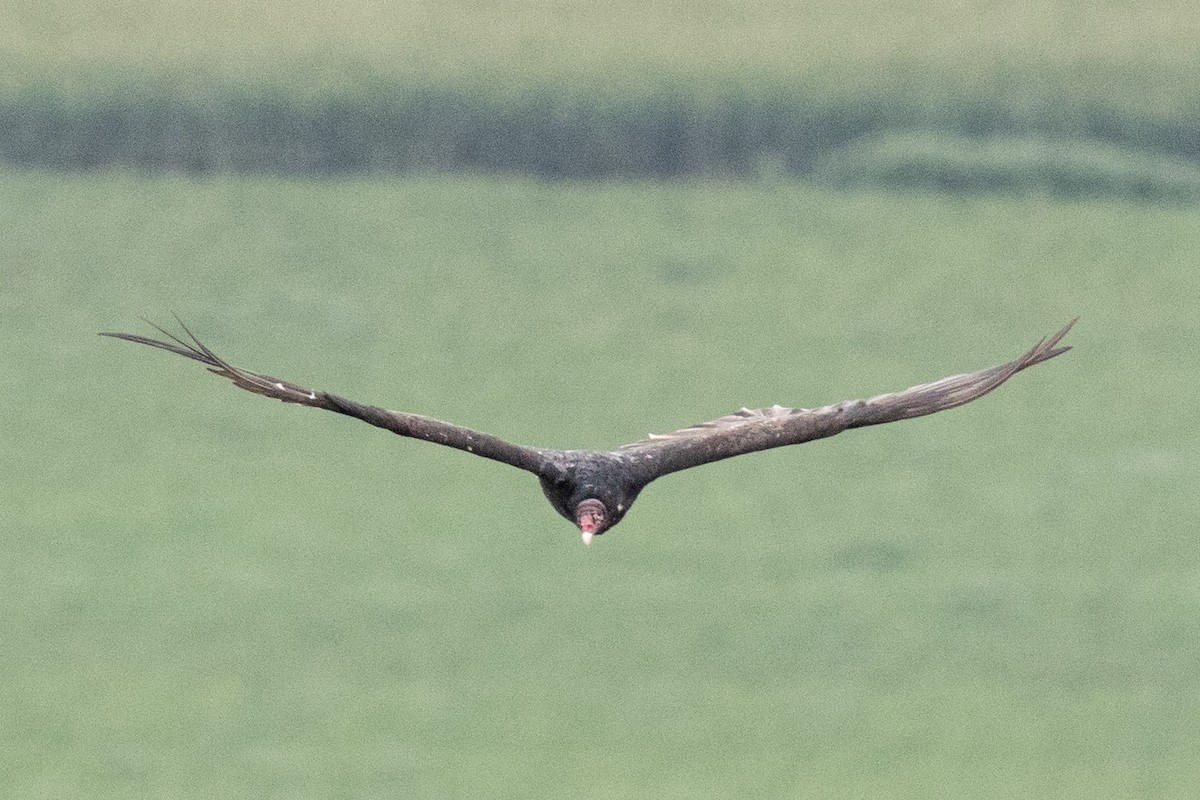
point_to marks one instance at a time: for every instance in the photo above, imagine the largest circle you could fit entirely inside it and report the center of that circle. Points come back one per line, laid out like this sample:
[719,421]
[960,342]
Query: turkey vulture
[595,488]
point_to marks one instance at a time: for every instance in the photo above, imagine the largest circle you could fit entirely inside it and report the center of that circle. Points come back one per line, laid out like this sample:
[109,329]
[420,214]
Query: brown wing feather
[402,423]
[749,430]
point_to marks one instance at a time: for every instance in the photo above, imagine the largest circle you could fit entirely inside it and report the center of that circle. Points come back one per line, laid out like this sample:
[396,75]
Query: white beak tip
[588,536]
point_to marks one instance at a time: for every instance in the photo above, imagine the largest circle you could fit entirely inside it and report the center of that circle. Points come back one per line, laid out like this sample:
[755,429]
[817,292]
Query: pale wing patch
[743,417]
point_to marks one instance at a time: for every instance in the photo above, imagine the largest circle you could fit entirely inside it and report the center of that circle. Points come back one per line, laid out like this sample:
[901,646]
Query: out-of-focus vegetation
[204,594]
[519,42]
[1011,165]
[654,90]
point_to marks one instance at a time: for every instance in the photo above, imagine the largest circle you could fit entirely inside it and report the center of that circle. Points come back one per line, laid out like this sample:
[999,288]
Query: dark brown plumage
[593,488]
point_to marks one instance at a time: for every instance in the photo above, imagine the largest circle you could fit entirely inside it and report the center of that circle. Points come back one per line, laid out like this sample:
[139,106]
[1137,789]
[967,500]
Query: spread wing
[402,423]
[749,430]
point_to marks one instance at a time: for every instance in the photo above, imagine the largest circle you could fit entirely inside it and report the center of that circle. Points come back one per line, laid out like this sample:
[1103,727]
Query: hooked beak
[589,516]
[588,526]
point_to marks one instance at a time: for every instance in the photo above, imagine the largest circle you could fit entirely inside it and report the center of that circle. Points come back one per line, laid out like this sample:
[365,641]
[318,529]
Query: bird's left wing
[750,430]
[400,422]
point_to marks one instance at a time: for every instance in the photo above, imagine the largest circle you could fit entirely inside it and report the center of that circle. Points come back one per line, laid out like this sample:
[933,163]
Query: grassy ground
[204,594]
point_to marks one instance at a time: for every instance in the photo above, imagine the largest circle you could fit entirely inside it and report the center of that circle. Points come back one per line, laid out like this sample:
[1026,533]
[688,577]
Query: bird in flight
[595,488]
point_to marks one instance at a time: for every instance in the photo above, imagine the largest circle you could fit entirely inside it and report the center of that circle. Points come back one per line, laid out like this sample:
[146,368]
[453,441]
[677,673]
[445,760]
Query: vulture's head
[593,515]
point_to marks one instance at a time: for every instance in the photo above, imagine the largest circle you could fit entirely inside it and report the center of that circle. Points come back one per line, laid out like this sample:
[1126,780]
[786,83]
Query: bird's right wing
[405,424]
[750,430]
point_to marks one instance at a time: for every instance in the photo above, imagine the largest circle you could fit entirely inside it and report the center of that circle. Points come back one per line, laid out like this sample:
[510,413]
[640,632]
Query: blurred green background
[203,594]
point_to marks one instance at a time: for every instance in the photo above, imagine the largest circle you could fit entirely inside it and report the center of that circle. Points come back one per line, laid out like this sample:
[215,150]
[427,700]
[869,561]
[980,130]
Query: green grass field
[205,594]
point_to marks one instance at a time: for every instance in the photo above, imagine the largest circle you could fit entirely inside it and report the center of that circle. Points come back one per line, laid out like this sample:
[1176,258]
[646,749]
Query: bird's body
[595,489]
